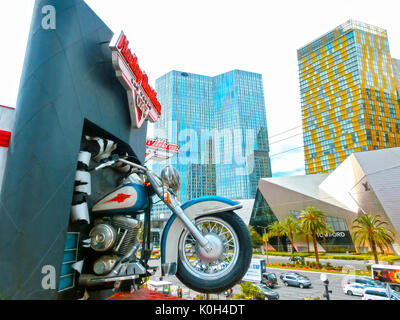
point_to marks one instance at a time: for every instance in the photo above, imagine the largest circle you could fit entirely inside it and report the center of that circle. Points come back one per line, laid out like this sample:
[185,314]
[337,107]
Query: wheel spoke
[229,253]
[226,243]
[213,228]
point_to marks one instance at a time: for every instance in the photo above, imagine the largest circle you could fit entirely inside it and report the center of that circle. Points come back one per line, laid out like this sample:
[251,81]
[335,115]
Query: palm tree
[276,229]
[302,231]
[312,221]
[256,239]
[371,229]
[291,227]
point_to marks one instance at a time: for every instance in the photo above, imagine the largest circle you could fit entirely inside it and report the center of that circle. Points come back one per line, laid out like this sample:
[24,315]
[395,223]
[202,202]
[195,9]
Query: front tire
[226,264]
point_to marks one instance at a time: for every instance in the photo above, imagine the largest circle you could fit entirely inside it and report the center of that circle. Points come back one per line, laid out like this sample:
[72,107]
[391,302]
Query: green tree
[302,231]
[249,292]
[312,221]
[291,227]
[276,229]
[371,229]
[256,239]
[324,230]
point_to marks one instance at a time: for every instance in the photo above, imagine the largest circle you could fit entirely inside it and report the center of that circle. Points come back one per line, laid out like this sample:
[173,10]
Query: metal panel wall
[67,77]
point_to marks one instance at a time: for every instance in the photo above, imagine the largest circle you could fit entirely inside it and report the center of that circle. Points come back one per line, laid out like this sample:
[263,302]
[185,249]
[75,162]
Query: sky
[212,37]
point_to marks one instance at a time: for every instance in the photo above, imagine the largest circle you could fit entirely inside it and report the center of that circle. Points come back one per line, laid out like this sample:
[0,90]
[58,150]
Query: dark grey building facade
[67,89]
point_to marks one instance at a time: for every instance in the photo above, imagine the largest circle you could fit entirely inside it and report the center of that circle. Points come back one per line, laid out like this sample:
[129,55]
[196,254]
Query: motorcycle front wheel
[225,265]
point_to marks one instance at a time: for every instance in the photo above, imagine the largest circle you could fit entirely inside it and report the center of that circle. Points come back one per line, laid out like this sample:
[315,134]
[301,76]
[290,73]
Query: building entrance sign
[142,98]
[160,149]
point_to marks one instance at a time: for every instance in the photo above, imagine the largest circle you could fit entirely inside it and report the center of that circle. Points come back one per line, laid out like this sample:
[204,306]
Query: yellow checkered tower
[348,95]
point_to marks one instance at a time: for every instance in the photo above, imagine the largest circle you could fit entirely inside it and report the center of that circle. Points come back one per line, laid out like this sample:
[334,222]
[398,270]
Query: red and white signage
[160,149]
[5,138]
[6,123]
[142,98]
[6,120]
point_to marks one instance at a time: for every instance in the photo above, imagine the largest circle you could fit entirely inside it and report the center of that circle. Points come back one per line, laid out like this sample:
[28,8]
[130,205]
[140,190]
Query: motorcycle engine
[119,234]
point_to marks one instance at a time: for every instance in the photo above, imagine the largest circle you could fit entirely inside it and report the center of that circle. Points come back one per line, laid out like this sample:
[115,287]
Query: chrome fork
[174,205]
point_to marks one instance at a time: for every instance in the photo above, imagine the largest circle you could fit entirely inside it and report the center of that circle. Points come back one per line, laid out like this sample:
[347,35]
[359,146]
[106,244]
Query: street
[316,290]
[286,293]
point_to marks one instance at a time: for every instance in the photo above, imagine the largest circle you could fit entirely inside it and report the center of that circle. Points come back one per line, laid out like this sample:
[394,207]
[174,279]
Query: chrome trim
[219,210]
[174,206]
[89,279]
[137,166]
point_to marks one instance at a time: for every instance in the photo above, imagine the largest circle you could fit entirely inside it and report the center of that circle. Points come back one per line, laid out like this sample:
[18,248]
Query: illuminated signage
[142,98]
[337,234]
[160,149]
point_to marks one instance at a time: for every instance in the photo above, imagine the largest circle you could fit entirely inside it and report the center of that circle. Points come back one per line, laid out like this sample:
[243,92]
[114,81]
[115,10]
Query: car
[354,289]
[269,279]
[295,259]
[375,293]
[268,292]
[292,273]
[366,281]
[296,280]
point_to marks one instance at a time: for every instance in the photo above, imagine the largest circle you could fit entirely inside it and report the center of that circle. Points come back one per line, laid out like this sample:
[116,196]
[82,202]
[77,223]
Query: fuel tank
[128,198]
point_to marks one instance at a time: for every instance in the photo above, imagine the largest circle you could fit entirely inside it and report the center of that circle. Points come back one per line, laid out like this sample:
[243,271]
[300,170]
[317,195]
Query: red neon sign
[162,144]
[142,97]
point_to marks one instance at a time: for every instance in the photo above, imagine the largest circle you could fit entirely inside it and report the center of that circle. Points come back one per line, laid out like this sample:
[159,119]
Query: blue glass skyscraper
[220,125]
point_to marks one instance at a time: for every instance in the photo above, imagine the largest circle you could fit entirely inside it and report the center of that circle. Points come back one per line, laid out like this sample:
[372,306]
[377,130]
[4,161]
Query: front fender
[174,227]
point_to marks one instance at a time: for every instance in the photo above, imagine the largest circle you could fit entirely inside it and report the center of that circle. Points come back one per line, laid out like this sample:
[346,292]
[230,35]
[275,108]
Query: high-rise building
[220,125]
[348,95]
[396,70]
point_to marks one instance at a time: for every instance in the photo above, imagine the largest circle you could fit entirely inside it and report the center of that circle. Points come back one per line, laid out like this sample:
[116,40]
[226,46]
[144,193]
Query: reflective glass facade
[340,240]
[348,95]
[220,125]
[396,70]
[262,216]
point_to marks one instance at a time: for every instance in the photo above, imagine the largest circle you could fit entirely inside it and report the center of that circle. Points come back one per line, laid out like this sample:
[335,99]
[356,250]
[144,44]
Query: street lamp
[325,281]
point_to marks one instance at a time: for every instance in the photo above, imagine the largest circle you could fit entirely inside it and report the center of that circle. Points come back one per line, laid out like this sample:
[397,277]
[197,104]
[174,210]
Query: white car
[374,293]
[355,289]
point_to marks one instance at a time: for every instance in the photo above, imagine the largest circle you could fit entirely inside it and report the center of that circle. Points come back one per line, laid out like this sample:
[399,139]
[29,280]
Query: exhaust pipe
[92,280]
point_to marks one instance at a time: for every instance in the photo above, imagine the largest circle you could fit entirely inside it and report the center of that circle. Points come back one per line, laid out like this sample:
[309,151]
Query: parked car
[375,293]
[366,281]
[268,292]
[354,288]
[296,280]
[269,279]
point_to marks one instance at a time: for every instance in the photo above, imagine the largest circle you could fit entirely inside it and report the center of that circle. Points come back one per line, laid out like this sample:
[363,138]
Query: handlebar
[152,177]
[115,160]
[105,164]
[137,166]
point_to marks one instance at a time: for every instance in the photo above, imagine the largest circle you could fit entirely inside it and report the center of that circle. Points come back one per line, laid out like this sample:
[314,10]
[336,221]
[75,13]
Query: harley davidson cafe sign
[160,149]
[142,98]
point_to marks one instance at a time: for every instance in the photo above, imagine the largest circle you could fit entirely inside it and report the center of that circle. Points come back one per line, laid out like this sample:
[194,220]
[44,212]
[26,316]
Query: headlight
[170,176]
